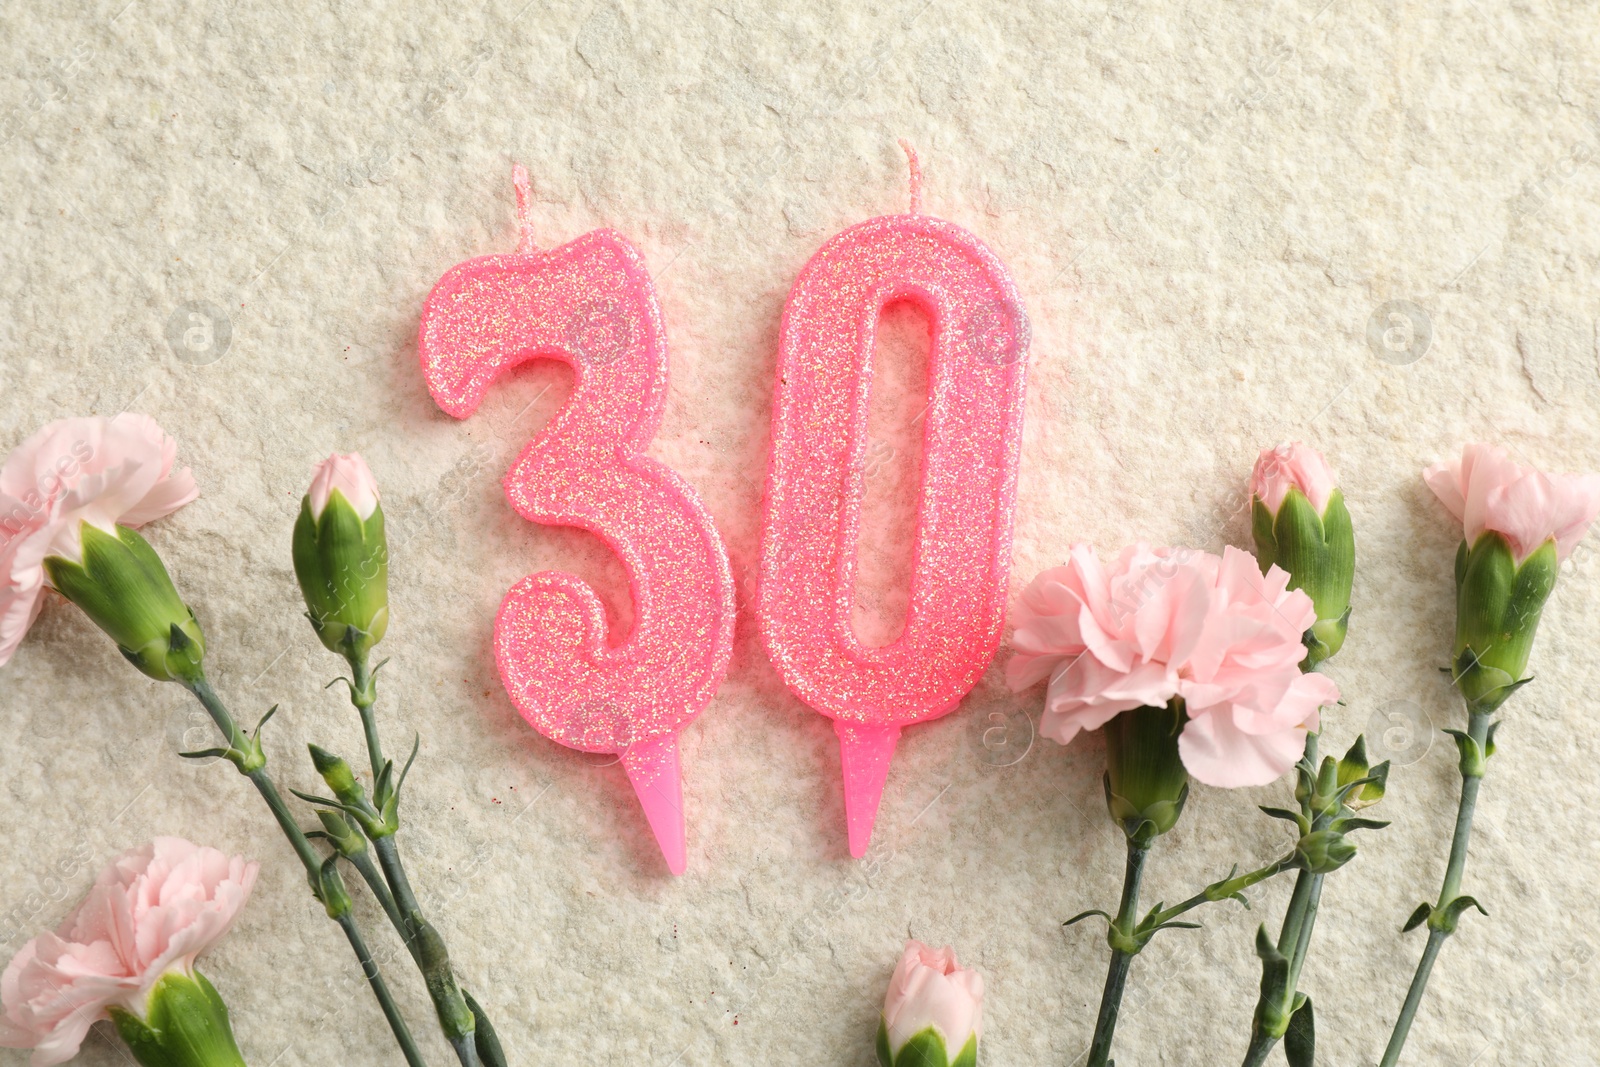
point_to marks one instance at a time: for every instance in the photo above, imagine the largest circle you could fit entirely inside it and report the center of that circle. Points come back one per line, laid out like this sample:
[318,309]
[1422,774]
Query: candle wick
[519,180]
[916,176]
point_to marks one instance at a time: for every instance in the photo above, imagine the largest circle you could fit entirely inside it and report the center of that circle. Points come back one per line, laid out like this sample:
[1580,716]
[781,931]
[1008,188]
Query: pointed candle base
[865,752]
[657,778]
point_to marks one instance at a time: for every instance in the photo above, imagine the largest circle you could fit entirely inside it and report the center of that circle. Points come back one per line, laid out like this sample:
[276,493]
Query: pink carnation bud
[1487,491]
[930,989]
[150,913]
[349,475]
[1291,466]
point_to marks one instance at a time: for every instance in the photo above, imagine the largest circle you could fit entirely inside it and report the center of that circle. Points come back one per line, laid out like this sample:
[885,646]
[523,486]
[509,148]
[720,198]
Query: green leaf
[1445,918]
[1418,917]
[1300,821]
[483,1035]
[1271,1005]
[1082,915]
[1300,1040]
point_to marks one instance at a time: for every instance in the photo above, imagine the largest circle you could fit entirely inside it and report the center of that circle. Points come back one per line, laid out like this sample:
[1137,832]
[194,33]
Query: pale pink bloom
[1164,623]
[930,988]
[1487,491]
[349,475]
[151,912]
[95,470]
[1291,466]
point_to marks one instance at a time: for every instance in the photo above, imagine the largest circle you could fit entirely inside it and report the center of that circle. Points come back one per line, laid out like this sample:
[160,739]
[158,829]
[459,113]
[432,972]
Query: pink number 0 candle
[962,548]
[591,303]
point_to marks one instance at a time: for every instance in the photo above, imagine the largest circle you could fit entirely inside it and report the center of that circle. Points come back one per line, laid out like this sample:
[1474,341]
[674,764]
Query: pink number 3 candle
[962,548]
[591,303]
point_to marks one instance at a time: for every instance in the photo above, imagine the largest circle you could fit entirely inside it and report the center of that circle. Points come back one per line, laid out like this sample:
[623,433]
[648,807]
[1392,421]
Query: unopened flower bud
[346,839]
[121,584]
[1518,524]
[1300,523]
[933,1013]
[1354,767]
[1324,851]
[341,556]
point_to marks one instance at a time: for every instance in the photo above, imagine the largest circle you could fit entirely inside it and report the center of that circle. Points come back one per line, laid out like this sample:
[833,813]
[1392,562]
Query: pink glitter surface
[971,438]
[591,304]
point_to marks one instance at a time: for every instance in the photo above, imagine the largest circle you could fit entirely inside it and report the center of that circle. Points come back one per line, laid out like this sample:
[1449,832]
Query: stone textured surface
[1208,211]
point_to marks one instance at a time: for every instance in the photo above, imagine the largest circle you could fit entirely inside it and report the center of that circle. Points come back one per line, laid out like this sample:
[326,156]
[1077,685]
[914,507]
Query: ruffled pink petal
[1217,753]
[149,912]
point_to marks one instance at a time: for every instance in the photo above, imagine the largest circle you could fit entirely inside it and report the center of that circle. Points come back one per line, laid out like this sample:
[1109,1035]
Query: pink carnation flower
[930,988]
[1292,466]
[1487,491]
[1164,623]
[100,471]
[151,912]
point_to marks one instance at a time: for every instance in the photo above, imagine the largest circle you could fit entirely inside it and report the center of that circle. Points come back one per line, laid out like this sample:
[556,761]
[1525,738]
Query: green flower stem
[364,694]
[1294,938]
[1308,923]
[1478,730]
[363,864]
[369,970]
[1105,1024]
[421,938]
[201,688]
[1223,890]
[432,958]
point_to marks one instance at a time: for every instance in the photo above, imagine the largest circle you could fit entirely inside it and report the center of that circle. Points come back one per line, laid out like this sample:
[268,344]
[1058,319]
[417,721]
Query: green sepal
[1498,604]
[885,1058]
[484,1038]
[1262,533]
[925,1049]
[125,590]
[1445,919]
[1146,785]
[968,1056]
[1300,1039]
[342,565]
[1318,552]
[185,1025]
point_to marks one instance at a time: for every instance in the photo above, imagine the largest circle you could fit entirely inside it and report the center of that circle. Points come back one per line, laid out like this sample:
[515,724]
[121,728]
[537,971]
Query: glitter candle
[971,436]
[591,304]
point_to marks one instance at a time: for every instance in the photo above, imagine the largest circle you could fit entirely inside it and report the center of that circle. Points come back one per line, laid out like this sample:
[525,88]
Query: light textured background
[1204,207]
